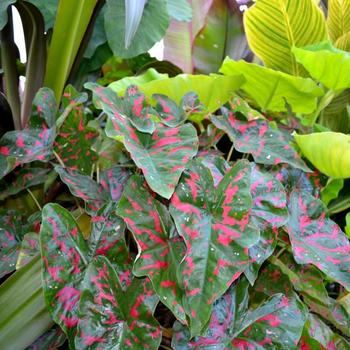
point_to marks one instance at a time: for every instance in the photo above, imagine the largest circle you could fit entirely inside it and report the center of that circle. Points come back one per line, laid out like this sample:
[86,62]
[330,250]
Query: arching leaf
[338,23]
[273,27]
[318,240]
[152,27]
[217,229]
[160,252]
[114,318]
[328,151]
[257,137]
[273,90]
[326,64]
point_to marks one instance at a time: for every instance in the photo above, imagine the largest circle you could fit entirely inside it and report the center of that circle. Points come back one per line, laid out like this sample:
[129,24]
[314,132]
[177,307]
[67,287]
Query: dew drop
[268,156]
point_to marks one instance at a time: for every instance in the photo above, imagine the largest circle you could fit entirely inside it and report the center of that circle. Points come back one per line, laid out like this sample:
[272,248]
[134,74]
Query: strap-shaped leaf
[112,318]
[338,23]
[328,151]
[326,64]
[318,240]
[217,229]
[233,326]
[273,27]
[266,144]
[272,90]
[160,252]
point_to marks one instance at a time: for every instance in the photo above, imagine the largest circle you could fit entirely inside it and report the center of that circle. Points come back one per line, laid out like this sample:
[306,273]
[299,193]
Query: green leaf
[113,318]
[331,190]
[347,227]
[273,27]
[338,23]
[217,229]
[48,8]
[213,90]
[234,326]
[23,316]
[3,11]
[160,253]
[179,10]
[316,239]
[61,57]
[329,152]
[151,74]
[273,90]
[266,144]
[133,14]
[326,64]
[151,28]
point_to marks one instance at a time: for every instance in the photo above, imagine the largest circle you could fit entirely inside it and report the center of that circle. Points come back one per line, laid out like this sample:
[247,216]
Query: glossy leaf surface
[272,90]
[217,230]
[257,137]
[328,151]
[160,252]
[318,240]
[113,318]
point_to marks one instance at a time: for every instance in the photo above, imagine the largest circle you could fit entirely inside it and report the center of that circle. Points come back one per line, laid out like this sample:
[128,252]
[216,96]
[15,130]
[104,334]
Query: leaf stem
[58,159]
[34,199]
[325,101]
[230,153]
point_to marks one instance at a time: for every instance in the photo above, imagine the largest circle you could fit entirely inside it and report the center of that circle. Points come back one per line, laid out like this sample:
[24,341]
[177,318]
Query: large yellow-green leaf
[326,64]
[329,152]
[213,90]
[273,27]
[338,22]
[271,90]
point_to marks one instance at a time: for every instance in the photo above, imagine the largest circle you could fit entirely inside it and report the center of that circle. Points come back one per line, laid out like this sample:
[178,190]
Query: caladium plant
[206,235]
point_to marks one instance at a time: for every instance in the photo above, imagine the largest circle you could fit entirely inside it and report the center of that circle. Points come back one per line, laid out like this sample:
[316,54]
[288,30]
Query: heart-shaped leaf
[316,239]
[216,226]
[160,252]
[233,326]
[114,318]
[257,137]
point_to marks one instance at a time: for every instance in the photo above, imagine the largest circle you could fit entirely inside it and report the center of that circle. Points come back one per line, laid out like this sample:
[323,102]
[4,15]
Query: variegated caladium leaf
[160,252]
[74,141]
[64,260]
[238,105]
[316,239]
[10,238]
[137,111]
[22,179]
[234,326]
[267,145]
[28,250]
[95,194]
[162,156]
[217,228]
[115,319]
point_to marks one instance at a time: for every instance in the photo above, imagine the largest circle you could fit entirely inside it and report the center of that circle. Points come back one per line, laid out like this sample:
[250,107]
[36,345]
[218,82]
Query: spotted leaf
[64,259]
[162,156]
[217,229]
[160,252]
[28,250]
[233,326]
[266,144]
[22,179]
[10,238]
[316,239]
[112,318]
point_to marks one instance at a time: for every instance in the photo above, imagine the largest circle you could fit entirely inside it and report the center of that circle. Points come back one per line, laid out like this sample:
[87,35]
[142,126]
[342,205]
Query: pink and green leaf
[267,145]
[218,232]
[160,252]
[316,239]
[114,318]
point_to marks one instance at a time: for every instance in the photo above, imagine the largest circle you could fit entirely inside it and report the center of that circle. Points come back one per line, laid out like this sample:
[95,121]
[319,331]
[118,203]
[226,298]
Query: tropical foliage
[196,203]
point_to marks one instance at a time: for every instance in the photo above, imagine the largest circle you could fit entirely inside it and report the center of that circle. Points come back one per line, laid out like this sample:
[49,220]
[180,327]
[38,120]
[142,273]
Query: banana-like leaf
[179,10]
[326,64]
[338,22]
[128,40]
[23,316]
[328,151]
[273,90]
[121,85]
[273,27]
[217,228]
